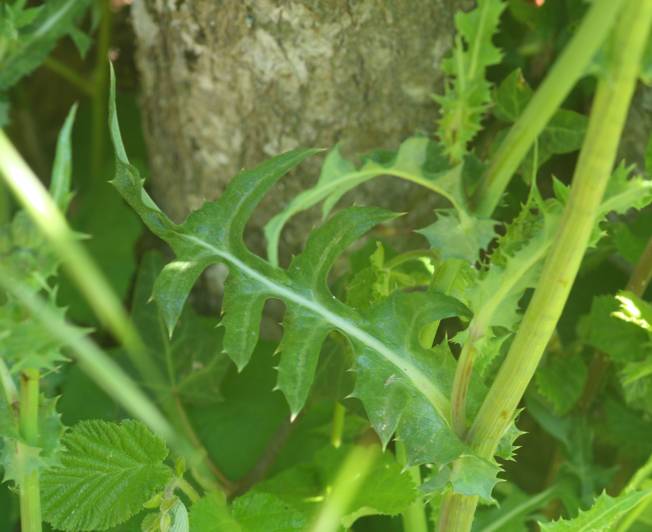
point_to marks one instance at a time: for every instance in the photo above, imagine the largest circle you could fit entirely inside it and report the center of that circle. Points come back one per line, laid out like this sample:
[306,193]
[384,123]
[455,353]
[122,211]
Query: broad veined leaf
[108,470]
[32,39]
[604,513]
[388,360]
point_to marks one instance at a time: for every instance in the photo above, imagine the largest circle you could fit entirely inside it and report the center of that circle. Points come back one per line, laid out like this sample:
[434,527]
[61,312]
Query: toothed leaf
[385,338]
[107,471]
[604,513]
[211,514]
[194,352]
[456,238]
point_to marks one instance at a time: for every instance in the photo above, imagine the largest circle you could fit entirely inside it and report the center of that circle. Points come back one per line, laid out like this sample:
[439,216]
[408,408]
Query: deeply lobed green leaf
[403,386]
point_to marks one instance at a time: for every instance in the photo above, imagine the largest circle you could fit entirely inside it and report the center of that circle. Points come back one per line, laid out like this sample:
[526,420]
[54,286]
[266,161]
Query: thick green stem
[414,518]
[594,167]
[566,71]
[30,495]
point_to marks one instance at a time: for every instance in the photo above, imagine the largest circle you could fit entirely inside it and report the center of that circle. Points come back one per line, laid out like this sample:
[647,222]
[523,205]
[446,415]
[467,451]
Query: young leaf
[467,95]
[457,236]
[601,516]
[107,471]
[473,476]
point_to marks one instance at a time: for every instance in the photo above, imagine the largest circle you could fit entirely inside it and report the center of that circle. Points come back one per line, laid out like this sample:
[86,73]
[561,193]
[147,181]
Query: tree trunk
[227,84]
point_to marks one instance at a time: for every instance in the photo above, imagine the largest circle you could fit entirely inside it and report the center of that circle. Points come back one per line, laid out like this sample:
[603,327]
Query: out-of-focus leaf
[211,514]
[29,35]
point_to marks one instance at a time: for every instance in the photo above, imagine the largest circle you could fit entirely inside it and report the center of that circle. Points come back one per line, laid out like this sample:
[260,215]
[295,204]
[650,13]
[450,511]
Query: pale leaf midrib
[420,381]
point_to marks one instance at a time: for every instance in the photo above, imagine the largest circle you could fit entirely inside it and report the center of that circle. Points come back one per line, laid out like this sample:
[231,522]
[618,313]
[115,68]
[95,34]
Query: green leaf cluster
[467,95]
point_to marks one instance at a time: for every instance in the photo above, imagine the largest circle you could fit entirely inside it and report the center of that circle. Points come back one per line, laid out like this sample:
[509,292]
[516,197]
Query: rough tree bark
[228,83]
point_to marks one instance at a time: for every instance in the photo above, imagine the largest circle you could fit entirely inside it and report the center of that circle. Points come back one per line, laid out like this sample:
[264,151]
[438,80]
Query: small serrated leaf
[107,471]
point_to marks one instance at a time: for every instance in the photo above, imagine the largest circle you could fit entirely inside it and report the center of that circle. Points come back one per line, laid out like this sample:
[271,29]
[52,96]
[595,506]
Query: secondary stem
[566,71]
[642,274]
[337,427]
[414,518]
[349,479]
[30,495]
[100,77]
[594,167]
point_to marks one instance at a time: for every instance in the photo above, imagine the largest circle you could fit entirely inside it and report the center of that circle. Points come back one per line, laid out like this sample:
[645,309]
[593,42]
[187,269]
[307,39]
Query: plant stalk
[30,494]
[337,427]
[414,517]
[99,90]
[642,274]
[592,173]
[567,70]
[346,485]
